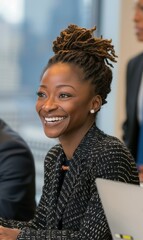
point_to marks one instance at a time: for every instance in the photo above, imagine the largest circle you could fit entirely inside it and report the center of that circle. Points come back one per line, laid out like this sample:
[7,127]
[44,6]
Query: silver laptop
[123,206]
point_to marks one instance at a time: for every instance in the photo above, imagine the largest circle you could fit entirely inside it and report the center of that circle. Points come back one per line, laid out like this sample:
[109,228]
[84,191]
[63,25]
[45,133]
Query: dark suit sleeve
[17,176]
[125,124]
[131,125]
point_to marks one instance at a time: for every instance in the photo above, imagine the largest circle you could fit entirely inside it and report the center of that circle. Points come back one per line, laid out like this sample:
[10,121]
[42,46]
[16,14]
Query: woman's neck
[69,148]
[71,141]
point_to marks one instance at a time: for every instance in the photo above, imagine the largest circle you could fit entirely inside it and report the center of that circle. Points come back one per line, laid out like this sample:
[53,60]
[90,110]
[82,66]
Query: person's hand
[140,169]
[8,233]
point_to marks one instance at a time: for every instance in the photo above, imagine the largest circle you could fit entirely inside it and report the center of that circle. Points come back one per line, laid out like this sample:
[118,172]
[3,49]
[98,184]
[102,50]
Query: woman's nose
[138,14]
[49,105]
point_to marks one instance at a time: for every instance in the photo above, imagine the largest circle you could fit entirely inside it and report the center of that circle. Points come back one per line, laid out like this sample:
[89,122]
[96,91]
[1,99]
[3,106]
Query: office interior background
[27,29]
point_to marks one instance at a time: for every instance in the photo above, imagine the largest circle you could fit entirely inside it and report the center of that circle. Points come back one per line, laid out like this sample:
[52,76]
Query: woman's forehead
[64,69]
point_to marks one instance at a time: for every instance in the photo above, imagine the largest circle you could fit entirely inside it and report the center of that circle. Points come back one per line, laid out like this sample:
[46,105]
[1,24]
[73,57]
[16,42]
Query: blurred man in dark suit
[17,176]
[133,125]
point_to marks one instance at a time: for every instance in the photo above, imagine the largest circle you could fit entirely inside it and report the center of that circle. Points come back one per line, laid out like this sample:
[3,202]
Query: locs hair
[78,46]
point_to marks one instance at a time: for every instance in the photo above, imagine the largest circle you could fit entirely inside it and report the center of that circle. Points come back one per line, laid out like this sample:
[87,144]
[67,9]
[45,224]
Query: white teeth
[54,119]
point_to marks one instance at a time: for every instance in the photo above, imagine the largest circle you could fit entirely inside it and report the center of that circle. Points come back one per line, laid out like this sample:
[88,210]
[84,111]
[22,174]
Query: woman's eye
[139,7]
[41,94]
[65,95]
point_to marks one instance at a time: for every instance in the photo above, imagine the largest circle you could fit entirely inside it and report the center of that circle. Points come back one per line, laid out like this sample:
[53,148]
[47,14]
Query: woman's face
[64,101]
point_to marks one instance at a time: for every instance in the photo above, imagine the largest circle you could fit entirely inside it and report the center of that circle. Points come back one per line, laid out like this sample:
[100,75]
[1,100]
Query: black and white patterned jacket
[78,206]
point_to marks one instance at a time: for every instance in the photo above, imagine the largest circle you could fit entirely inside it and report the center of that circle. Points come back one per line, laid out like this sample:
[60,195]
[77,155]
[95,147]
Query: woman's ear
[96,103]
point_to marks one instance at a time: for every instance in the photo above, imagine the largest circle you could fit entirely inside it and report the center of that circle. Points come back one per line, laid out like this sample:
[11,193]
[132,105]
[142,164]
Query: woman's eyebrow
[64,85]
[58,86]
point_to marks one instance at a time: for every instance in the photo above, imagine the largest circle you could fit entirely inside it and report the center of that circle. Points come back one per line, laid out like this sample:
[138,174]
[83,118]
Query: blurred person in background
[133,124]
[17,176]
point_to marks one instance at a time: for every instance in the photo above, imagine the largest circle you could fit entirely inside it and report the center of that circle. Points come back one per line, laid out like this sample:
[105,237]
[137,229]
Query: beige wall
[129,46]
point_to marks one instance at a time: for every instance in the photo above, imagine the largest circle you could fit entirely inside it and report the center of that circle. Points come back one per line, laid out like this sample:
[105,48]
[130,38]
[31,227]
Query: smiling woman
[73,87]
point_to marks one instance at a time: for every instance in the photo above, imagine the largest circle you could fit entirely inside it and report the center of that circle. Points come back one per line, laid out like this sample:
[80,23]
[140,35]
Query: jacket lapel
[68,186]
[77,164]
[54,182]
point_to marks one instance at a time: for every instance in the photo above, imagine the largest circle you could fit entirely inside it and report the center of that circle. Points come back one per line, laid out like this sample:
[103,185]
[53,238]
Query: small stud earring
[92,111]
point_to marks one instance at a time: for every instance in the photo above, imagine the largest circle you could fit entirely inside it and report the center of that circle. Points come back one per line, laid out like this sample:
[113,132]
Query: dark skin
[64,104]
[8,233]
[65,96]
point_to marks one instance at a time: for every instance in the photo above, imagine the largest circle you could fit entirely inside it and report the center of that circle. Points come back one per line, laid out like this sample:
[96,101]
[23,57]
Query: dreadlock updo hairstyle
[78,46]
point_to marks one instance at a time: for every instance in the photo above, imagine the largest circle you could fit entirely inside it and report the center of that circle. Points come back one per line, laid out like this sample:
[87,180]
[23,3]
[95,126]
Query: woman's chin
[51,135]
[51,132]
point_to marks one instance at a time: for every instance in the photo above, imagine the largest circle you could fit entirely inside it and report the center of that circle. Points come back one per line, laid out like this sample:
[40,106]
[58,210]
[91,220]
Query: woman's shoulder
[105,138]
[110,145]
[111,157]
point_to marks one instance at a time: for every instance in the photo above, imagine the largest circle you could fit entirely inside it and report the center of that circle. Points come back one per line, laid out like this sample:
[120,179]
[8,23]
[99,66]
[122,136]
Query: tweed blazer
[78,206]
[131,125]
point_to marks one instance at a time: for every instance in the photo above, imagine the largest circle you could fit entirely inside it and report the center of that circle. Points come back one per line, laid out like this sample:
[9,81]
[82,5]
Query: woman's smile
[52,121]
